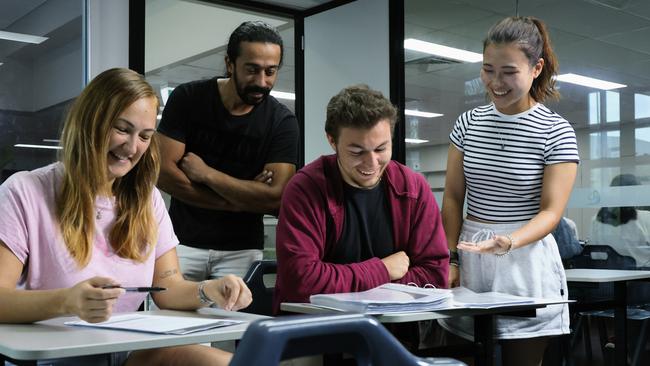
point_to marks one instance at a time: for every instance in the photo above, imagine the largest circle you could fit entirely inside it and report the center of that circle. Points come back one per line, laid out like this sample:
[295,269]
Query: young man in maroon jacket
[356,219]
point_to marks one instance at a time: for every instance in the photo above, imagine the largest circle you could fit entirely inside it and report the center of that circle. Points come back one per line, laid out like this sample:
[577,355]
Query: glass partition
[41,70]
[187,40]
[601,39]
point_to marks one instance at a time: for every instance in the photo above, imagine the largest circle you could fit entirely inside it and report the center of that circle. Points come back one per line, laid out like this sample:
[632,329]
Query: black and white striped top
[504,158]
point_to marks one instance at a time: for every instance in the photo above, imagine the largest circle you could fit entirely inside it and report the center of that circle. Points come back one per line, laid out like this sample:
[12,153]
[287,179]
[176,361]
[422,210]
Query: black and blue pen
[136,289]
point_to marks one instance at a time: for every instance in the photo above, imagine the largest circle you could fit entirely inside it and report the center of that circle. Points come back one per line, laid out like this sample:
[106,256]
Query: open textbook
[160,324]
[391,298]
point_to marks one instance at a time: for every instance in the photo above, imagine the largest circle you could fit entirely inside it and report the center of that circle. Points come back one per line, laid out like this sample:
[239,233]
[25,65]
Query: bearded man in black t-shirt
[228,148]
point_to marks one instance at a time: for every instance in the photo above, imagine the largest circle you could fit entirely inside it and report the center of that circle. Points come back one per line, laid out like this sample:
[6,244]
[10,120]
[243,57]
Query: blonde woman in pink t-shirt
[95,219]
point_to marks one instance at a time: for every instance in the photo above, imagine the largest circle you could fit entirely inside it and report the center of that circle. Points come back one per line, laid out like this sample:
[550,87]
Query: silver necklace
[99,214]
[503,144]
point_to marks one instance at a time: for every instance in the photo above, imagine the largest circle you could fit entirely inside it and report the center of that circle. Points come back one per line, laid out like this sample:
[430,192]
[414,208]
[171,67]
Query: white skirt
[535,270]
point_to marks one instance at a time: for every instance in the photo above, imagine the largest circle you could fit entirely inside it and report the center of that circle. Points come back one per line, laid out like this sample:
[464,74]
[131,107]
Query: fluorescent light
[443,51]
[415,141]
[283,95]
[589,82]
[21,37]
[51,147]
[412,112]
[1,63]
[56,141]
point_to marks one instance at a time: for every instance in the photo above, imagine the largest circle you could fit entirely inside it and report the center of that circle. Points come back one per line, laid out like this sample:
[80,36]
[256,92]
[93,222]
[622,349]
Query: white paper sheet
[158,323]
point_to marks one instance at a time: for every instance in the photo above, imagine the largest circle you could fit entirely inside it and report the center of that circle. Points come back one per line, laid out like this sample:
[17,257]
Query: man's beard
[245,93]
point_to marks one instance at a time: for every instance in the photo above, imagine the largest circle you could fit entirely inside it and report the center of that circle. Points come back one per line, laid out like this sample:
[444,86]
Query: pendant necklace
[496,126]
[99,214]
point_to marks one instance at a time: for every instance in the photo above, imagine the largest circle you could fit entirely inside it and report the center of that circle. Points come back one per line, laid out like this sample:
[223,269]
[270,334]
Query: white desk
[306,308]
[52,339]
[483,321]
[620,278]
[604,275]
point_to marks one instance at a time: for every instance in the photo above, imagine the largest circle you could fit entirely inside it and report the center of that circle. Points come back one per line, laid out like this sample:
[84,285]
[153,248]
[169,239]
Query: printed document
[160,324]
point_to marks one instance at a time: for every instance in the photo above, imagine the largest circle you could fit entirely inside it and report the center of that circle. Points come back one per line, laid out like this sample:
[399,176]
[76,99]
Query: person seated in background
[355,220]
[566,236]
[625,229]
[95,219]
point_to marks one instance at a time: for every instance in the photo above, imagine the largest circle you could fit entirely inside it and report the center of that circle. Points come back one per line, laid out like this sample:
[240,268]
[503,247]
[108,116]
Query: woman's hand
[498,244]
[454,276]
[229,292]
[89,301]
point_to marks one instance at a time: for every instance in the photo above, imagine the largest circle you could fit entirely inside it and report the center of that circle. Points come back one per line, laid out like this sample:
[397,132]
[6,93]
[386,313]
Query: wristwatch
[453,258]
[203,298]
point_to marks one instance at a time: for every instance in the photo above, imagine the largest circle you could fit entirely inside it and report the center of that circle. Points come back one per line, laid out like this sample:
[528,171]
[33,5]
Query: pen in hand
[136,289]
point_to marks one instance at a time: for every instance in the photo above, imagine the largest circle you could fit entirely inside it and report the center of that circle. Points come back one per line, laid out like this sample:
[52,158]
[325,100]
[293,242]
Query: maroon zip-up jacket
[311,222]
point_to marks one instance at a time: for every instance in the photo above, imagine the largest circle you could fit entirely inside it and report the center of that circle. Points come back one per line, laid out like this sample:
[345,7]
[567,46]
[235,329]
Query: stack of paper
[466,298]
[160,324]
[386,298]
[397,298]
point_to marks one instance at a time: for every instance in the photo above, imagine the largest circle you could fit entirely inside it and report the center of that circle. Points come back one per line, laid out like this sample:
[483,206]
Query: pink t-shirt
[29,228]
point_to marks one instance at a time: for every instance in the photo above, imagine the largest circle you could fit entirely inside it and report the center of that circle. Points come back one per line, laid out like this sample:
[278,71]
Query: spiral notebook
[159,324]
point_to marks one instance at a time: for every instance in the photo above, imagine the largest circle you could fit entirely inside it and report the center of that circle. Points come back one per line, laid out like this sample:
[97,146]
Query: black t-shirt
[367,227]
[239,146]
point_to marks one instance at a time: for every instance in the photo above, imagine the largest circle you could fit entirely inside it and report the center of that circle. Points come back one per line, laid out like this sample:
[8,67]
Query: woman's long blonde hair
[85,141]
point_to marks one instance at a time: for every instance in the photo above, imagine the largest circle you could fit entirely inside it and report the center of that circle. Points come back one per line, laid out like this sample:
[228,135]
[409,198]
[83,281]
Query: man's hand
[266,177]
[90,302]
[229,292]
[194,167]
[397,265]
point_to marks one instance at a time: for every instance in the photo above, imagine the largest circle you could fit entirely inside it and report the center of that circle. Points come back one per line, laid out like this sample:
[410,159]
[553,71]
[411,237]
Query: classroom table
[52,339]
[483,322]
[620,278]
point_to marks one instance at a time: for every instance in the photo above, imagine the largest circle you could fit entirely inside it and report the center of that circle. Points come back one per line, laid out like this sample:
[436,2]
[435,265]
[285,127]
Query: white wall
[108,35]
[177,29]
[343,46]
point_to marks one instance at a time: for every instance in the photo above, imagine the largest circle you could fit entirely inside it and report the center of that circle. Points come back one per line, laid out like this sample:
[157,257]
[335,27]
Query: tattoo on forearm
[168,273]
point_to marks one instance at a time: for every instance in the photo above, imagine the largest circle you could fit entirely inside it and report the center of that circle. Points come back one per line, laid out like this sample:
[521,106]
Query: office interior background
[342,43]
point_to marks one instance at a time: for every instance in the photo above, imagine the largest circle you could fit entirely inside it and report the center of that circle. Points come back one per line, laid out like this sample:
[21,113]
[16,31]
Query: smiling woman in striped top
[517,161]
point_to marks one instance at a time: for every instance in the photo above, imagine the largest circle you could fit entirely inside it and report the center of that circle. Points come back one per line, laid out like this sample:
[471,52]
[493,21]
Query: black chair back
[601,257]
[598,257]
[262,295]
[268,341]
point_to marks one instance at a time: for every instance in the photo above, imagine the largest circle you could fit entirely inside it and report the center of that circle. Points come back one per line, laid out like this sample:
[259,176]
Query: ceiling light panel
[21,37]
[589,82]
[416,113]
[442,51]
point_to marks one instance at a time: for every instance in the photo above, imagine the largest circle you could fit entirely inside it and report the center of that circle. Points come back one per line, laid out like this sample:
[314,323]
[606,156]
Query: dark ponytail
[531,36]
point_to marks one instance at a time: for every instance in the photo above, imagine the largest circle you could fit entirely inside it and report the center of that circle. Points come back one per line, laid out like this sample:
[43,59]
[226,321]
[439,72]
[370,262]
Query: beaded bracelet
[512,242]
